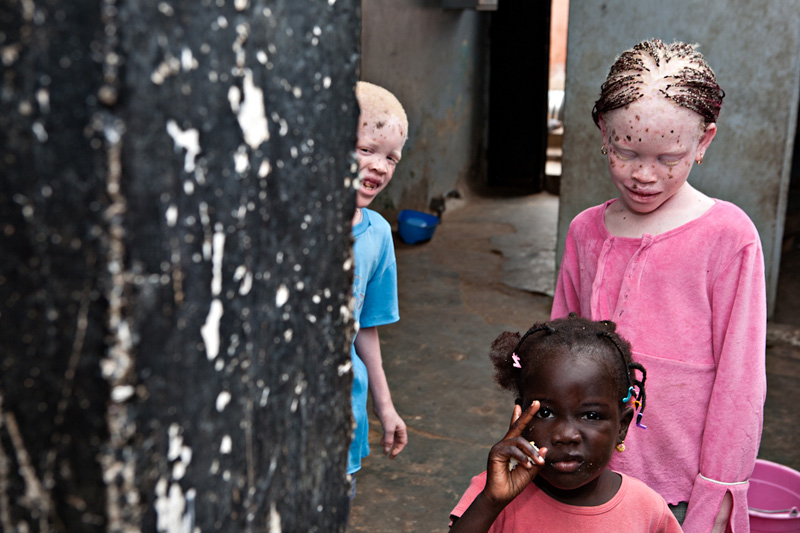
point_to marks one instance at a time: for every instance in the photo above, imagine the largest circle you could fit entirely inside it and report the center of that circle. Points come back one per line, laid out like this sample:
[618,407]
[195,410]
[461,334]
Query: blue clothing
[375,295]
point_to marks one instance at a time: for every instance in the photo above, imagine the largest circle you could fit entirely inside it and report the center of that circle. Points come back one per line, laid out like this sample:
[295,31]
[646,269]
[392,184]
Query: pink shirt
[692,302]
[635,507]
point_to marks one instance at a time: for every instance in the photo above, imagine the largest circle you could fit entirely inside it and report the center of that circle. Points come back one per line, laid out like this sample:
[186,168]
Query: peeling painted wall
[753,47]
[433,60]
[175,283]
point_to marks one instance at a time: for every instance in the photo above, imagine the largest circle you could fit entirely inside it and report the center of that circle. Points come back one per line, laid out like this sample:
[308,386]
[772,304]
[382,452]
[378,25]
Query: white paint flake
[172,215]
[10,54]
[120,393]
[281,296]
[188,140]
[210,330]
[240,161]
[245,277]
[165,9]
[217,250]
[226,445]
[43,98]
[39,132]
[250,112]
[175,442]
[264,397]
[234,98]
[188,62]
[345,368]
[274,518]
[169,507]
[223,399]
[264,169]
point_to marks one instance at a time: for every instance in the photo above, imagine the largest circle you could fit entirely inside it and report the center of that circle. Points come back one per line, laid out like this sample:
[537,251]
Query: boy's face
[378,149]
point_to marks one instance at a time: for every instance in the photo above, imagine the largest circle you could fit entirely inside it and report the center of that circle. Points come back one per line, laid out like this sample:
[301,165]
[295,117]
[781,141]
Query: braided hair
[516,358]
[678,70]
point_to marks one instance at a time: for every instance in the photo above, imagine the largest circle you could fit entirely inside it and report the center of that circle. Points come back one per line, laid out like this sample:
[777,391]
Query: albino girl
[682,275]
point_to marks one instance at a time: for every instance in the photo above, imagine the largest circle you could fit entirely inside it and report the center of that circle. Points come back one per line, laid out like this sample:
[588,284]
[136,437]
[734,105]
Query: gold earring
[699,160]
[603,150]
[621,447]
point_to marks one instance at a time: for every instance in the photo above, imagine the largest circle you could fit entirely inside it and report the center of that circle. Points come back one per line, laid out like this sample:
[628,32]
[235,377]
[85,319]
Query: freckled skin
[653,171]
[378,150]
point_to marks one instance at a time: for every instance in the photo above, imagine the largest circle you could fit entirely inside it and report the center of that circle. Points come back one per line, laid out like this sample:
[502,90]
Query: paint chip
[210,330]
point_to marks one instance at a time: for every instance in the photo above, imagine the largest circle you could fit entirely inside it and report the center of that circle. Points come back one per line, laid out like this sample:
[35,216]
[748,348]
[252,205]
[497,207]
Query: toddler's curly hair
[574,334]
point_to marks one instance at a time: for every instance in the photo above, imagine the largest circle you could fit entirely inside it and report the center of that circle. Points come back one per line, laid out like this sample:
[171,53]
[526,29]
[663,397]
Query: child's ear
[624,422]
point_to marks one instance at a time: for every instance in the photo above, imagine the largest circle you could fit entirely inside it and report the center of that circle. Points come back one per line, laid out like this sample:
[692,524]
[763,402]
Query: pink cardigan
[692,302]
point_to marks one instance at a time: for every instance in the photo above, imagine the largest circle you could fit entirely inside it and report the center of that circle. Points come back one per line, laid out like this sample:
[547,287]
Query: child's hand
[503,484]
[395,433]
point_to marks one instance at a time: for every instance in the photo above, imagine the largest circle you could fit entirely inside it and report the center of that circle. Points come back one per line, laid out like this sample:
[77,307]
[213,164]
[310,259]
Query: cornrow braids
[678,70]
[516,357]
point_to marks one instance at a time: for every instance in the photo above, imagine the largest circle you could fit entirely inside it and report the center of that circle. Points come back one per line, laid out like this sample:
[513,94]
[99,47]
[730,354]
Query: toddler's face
[378,150]
[652,145]
[579,422]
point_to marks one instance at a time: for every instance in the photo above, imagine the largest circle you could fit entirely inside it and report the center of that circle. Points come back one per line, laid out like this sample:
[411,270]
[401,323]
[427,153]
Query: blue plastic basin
[416,226]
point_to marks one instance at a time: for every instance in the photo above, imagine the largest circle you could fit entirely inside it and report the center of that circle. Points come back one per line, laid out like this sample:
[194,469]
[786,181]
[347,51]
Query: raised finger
[521,422]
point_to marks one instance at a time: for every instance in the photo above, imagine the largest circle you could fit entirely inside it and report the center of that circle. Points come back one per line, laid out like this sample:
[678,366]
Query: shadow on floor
[486,271]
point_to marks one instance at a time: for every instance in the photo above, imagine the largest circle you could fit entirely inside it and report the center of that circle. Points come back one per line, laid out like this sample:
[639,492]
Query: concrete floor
[490,268]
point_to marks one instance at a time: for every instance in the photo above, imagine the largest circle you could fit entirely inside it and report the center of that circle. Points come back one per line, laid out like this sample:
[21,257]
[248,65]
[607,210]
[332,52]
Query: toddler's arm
[395,435]
[503,484]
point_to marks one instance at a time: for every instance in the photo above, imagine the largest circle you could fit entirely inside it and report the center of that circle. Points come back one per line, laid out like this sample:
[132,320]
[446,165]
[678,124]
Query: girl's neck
[357,217]
[686,205]
[597,492]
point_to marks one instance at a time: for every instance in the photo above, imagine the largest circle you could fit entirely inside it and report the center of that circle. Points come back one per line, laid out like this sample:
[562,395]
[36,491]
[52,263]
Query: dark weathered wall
[753,47]
[175,219]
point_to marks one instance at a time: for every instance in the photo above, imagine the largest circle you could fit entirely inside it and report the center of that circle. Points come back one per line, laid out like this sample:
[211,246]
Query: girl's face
[580,423]
[652,145]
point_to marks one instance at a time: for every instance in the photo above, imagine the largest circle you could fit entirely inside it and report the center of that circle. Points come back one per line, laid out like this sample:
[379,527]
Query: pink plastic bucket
[774,498]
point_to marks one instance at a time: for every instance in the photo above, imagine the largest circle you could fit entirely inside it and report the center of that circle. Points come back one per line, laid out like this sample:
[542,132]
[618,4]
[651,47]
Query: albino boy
[382,132]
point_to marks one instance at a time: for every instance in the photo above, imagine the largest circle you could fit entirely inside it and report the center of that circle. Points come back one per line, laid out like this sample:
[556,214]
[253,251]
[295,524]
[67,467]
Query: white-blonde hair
[376,102]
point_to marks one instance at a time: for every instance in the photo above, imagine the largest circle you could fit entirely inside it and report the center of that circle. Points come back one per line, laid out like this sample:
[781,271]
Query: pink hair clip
[515,357]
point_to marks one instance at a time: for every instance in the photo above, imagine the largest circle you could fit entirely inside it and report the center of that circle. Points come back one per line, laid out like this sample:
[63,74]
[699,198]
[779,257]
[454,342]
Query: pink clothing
[635,507]
[692,302]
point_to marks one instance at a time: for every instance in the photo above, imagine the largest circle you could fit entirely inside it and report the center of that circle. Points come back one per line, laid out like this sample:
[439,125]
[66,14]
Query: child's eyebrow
[595,404]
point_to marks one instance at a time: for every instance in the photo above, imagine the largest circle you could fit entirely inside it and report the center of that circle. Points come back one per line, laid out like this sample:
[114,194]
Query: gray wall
[432,60]
[754,48]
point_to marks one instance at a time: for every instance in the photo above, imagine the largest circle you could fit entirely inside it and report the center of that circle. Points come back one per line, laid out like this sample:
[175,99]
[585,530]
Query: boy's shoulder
[375,222]
[376,218]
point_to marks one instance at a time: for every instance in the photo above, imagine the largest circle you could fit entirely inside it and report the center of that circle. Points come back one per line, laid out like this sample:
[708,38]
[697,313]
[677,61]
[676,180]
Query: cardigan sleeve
[735,414]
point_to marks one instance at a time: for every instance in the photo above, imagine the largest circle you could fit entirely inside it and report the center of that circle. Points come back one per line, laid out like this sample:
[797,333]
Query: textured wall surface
[433,60]
[176,264]
[753,47]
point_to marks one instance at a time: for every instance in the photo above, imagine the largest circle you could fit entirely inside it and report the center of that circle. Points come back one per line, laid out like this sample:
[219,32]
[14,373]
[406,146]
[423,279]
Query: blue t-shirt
[375,295]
